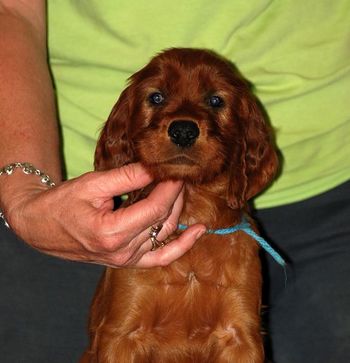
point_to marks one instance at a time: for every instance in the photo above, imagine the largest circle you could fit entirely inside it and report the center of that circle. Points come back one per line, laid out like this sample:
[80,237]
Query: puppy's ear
[255,161]
[114,147]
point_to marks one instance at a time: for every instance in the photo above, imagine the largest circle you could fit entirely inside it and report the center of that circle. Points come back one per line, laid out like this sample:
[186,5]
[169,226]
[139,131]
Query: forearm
[28,124]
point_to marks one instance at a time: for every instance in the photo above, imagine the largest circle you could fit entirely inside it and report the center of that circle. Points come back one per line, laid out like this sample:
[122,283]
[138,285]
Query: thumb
[123,180]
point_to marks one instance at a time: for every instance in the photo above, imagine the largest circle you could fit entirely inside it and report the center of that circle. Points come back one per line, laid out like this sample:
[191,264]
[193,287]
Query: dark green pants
[44,304]
[308,317]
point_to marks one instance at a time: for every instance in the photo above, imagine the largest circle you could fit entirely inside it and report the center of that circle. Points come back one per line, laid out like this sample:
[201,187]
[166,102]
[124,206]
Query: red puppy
[188,115]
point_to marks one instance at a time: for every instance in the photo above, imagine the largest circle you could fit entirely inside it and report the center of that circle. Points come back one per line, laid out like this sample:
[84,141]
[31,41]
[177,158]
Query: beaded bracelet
[27,168]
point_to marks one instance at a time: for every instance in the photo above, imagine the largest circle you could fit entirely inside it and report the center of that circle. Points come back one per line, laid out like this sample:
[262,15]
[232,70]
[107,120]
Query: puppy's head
[189,115]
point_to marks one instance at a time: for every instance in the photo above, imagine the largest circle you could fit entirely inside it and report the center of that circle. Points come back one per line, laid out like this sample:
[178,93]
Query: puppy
[188,115]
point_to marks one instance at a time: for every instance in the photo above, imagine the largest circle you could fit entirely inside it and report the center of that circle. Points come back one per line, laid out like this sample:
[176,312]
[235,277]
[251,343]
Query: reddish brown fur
[204,307]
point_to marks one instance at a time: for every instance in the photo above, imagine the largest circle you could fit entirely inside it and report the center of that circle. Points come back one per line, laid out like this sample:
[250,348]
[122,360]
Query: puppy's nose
[183,133]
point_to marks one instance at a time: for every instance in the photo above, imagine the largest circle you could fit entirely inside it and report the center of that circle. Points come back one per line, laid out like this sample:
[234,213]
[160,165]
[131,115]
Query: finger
[137,247]
[134,249]
[170,224]
[154,209]
[142,243]
[122,180]
[165,193]
[172,251]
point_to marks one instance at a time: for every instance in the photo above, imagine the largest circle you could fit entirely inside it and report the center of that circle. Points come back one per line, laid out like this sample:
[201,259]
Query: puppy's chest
[208,275]
[194,293]
[213,262]
[198,296]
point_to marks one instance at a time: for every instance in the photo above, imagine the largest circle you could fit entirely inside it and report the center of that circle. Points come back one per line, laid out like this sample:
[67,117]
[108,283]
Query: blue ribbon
[245,227]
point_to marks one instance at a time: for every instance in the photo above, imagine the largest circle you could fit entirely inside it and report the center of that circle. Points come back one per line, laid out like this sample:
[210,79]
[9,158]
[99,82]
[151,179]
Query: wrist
[27,169]
[19,181]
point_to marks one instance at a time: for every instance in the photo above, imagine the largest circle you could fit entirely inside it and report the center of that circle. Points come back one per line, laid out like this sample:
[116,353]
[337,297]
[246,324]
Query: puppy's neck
[209,207]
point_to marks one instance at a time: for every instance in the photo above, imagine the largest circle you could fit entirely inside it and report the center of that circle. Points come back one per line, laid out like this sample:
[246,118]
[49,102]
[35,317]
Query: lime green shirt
[296,53]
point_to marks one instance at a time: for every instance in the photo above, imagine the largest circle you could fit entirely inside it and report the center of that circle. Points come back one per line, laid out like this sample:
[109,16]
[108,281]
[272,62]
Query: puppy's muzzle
[183,133]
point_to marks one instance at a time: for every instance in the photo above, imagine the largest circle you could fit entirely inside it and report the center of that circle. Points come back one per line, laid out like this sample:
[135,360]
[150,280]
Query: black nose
[183,132]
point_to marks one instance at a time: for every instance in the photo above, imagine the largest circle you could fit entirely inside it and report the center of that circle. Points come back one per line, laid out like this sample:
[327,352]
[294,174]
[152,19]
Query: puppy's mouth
[179,160]
[176,167]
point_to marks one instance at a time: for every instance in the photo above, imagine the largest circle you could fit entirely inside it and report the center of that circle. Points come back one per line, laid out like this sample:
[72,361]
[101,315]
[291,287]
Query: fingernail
[200,233]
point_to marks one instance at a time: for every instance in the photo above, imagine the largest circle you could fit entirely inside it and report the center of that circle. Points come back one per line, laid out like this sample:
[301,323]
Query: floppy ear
[255,161]
[114,148]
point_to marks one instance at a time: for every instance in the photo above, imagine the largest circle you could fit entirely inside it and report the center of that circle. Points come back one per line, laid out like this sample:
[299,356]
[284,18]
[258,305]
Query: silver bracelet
[27,168]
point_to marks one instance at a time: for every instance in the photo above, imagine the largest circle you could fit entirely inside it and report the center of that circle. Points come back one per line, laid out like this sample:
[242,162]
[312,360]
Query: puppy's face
[183,116]
[189,115]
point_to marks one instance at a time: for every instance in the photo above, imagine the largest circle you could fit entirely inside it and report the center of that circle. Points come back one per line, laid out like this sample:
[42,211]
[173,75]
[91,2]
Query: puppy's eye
[156,98]
[215,101]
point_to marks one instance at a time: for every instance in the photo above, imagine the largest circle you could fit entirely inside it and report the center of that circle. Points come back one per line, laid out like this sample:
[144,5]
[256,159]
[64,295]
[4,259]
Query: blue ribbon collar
[245,227]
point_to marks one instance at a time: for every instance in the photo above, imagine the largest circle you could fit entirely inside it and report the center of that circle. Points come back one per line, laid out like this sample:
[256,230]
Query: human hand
[76,221]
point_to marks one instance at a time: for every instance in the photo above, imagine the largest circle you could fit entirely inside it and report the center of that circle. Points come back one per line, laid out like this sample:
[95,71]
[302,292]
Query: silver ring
[153,233]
